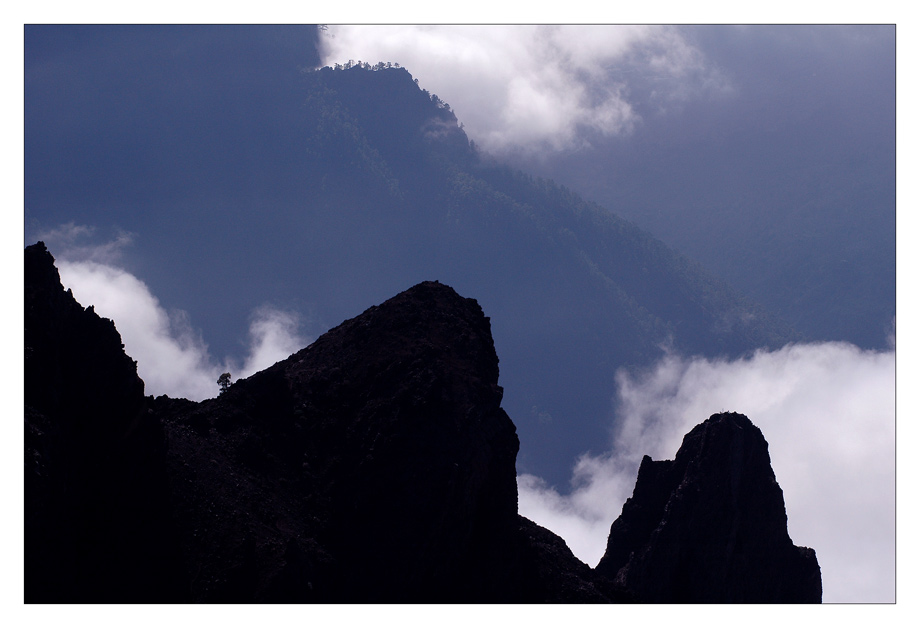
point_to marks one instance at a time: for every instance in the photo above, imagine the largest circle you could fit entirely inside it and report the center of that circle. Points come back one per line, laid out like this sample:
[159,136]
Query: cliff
[97,514]
[375,465]
[710,525]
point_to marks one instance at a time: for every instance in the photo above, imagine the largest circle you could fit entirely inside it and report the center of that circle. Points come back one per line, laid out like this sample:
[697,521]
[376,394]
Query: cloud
[172,357]
[828,413]
[273,336]
[530,88]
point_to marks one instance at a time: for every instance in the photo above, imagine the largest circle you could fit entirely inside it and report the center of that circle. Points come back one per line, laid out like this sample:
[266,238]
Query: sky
[829,412]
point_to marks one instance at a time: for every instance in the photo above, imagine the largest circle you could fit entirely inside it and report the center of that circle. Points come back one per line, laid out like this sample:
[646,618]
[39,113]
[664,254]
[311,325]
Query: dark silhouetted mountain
[375,465]
[710,525]
[97,515]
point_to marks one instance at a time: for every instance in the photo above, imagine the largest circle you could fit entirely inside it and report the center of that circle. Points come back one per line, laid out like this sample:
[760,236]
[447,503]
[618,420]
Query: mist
[828,413]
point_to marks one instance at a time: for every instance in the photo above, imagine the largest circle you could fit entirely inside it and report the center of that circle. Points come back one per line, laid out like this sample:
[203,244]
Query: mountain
[395,193]
[97,496]
[375,465]
[328,191]
[710,525]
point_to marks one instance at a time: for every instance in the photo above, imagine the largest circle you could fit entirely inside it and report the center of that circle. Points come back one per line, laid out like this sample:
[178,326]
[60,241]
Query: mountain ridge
[568,283]
[375,465]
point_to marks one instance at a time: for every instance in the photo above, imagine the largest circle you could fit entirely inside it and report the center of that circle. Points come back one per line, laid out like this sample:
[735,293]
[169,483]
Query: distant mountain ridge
[375,465]
[786,187]
[575,291]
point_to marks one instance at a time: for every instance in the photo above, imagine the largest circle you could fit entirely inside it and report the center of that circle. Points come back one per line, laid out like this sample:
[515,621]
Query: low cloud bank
[172,357]
[537,87]
[828,413]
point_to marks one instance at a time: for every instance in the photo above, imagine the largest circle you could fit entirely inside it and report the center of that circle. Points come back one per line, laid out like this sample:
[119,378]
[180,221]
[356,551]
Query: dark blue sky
[122,116]
[168,133]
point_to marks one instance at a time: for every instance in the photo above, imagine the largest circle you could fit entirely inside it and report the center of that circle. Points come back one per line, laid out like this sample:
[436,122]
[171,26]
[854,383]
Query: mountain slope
[98,519]
[575,291]
[785,186]
[710,525]
[375,465]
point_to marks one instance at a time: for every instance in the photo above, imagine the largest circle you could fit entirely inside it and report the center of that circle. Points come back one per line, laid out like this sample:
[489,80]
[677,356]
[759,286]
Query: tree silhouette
[224,382]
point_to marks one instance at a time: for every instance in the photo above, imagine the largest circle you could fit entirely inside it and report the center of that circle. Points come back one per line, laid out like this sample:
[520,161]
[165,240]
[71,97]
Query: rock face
[375,465]
[710,526]
[97,516]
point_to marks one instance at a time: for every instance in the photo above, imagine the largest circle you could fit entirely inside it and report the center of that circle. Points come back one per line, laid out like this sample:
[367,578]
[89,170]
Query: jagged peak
[375,465]
[719,503]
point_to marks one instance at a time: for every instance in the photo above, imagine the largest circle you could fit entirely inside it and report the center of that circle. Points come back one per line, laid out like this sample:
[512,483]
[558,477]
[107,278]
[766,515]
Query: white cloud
[273,336]
[536,87]
[172,358]
[828,413]
[583,516]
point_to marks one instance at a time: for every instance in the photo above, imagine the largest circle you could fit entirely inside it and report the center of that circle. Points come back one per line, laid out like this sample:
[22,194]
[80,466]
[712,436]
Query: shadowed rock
[710,526]
[375,465]
[97,515]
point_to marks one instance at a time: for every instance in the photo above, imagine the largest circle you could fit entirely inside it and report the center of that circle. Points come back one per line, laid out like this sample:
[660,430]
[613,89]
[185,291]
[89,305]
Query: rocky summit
[710,525]
[375,465]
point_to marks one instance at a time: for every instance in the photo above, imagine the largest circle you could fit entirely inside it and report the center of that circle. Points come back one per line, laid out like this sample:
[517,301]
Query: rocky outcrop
[710,526]
[375,465]
[97,516]
[384,451]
